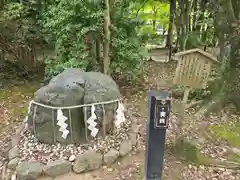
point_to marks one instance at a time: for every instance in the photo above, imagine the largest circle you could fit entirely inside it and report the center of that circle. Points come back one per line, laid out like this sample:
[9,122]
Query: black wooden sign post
[157,123]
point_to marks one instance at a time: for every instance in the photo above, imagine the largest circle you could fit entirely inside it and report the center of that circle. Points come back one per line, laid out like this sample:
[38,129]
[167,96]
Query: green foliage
[197,94]
[234,157]
[66,23]
[10,18]
[16,24]
[203,35]
[12,11]
[198,39]
[127,47]
[194,40]
[228,133]
[154,12]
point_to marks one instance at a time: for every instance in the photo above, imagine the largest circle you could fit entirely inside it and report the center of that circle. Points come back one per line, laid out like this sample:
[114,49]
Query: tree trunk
[194,7]
[227,88]
[171,23]
[182,33]
[227,29]
[154,25]
[203,6]
[154,9]
[186,20]
[106,44]
[178,22]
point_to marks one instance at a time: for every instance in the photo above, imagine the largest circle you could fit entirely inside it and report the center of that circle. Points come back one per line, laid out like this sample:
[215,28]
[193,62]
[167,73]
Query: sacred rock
[70,88]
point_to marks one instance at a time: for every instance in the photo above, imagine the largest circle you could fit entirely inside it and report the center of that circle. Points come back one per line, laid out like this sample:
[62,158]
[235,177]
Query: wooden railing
[20,54]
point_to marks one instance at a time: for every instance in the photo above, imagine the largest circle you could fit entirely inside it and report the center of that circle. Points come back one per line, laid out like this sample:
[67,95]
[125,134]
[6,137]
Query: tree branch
[142,5]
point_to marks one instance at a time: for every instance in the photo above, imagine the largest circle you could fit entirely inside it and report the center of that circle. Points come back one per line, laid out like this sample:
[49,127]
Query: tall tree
[171,22]
[194,19]
[226,17]
[107,33]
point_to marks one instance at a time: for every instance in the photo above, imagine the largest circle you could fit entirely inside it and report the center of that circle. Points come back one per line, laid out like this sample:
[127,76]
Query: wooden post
[184,104]
[53,126]
[107,33]
[104,121]
[85,121]
[70,124]
[185,96]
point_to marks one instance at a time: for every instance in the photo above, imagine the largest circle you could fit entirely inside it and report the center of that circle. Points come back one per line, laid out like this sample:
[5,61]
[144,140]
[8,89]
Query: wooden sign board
[193,68]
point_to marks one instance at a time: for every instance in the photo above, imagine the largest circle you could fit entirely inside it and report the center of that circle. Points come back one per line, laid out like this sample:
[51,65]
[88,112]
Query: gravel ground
[32,150]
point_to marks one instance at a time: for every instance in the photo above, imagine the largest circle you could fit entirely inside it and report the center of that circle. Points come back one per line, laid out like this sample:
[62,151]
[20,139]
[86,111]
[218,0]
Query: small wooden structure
[193,69]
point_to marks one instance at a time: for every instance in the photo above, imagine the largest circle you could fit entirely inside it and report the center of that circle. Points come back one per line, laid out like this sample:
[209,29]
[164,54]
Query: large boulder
[72,87]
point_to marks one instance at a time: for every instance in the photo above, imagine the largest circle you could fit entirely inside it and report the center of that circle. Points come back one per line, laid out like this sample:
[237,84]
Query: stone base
[87,161]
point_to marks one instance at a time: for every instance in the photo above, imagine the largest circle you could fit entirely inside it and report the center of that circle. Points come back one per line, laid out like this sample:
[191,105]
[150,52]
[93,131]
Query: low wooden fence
[23,55]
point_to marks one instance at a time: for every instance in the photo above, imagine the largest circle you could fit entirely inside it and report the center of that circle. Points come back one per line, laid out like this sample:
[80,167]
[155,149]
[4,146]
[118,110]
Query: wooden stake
[33,119]
[185,96]
[107,33]
[183,107]
[70,124]
[53,126]
[85,121]
[104,122]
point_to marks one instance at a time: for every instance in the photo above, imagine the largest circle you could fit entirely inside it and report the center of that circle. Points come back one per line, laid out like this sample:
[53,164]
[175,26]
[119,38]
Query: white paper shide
[120,117]
[61,122]
[92,123]
[29,110]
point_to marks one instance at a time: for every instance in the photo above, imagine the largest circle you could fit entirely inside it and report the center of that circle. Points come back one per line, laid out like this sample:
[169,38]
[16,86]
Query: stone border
[88,161]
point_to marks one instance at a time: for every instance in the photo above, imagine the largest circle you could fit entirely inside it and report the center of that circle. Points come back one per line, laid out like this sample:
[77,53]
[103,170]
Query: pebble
[110,169]
[72,158]
[31,149]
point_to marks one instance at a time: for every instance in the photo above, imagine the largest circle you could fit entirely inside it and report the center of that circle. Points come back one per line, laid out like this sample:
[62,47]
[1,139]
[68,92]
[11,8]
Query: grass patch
[140,173]
[4,94]
[189,152]
[234,157]
[229,133]
[27,90]
[177,107]
[16,100]
[20,111]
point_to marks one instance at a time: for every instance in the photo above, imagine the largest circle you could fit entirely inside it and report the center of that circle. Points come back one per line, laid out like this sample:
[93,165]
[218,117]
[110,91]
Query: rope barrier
[75,106]
[63,124]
